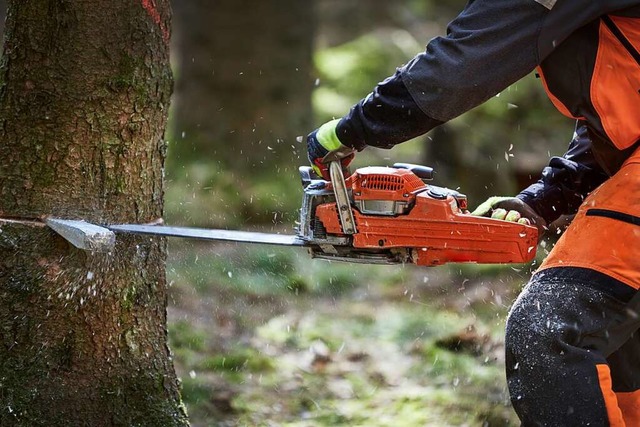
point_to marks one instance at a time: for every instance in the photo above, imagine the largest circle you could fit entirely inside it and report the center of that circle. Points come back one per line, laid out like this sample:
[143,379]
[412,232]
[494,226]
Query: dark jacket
[494,43]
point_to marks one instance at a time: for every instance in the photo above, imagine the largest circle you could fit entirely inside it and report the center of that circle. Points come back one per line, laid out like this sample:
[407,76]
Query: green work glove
[511,209]
[323,146]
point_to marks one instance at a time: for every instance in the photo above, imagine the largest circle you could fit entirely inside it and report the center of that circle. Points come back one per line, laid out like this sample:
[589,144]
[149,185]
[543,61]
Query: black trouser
[573,350]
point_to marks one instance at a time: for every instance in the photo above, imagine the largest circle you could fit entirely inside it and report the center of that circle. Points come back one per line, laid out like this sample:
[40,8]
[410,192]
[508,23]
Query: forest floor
[269,337]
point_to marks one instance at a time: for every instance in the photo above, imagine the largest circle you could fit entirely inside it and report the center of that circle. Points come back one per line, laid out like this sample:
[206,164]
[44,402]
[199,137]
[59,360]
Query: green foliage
[183,335]
[203,194]
[521,116]
[265,270]
[241,359]
[196,391]
[349,71]
[197,397]
[258,270]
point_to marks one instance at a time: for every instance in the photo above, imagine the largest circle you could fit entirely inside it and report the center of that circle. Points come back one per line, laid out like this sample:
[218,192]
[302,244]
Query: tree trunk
[83,104]
[243,91]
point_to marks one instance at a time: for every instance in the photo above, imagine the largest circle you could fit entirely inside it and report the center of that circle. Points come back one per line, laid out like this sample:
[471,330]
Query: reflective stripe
[620,216]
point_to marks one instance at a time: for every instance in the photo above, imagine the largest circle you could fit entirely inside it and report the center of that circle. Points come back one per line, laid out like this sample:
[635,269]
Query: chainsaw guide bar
[209,234]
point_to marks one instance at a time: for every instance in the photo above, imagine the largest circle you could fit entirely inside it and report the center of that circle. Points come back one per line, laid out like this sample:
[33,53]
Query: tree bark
[85,88]
[244,81]
[3,16]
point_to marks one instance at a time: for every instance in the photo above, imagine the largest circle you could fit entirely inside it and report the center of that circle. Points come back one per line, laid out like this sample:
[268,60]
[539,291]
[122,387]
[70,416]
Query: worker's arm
[489,46]
[567,180]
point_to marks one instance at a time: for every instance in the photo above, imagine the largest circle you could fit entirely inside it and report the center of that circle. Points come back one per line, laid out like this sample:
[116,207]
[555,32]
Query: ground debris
[320,355]
[466,341]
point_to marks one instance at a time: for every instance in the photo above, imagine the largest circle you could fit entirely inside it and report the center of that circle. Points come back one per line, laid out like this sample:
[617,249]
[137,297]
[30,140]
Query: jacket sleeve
[490,45]
[567,180]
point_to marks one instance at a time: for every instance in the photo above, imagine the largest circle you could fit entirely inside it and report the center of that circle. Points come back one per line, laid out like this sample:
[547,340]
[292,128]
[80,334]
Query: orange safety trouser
[599,251]
[572,350]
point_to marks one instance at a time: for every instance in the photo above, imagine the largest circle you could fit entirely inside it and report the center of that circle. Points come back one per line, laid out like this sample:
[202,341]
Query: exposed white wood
[84,235]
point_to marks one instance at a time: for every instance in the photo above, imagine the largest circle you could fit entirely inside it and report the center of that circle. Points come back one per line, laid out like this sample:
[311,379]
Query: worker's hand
[511,209]
[323,147]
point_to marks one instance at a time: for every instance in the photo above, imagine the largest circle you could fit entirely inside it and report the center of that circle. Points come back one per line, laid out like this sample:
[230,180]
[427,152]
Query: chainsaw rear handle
[423,172]
[426,173]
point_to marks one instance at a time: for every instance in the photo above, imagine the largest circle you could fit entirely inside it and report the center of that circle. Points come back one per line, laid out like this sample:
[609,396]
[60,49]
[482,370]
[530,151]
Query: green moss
[128,298]
[132,400]
[332,419]
[297,285]
[45,176]
[182,335]
[22,284]
[242,359]
[185,356]
[125,78]
[196,390]
[146,403]
[274,262]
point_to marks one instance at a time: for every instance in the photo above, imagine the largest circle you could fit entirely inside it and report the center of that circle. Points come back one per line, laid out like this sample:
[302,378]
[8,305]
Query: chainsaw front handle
[343,202]
[338,154]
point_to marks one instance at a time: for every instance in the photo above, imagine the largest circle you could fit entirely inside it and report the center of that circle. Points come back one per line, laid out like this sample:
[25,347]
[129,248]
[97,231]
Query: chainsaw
[383,215]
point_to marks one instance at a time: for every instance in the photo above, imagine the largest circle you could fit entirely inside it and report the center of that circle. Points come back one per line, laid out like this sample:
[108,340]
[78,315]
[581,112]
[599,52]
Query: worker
[572,340]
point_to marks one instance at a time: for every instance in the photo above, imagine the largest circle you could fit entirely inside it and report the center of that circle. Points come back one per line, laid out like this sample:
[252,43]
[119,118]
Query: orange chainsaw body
[394,209]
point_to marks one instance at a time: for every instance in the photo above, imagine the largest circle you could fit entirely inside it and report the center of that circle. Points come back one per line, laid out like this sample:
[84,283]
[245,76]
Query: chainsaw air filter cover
[384,191]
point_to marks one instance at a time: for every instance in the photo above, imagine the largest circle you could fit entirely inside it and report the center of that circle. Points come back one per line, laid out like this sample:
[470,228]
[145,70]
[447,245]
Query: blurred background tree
[242,95]
[244,81]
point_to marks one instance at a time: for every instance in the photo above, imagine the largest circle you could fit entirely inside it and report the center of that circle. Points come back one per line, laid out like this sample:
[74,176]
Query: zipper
[606,213]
